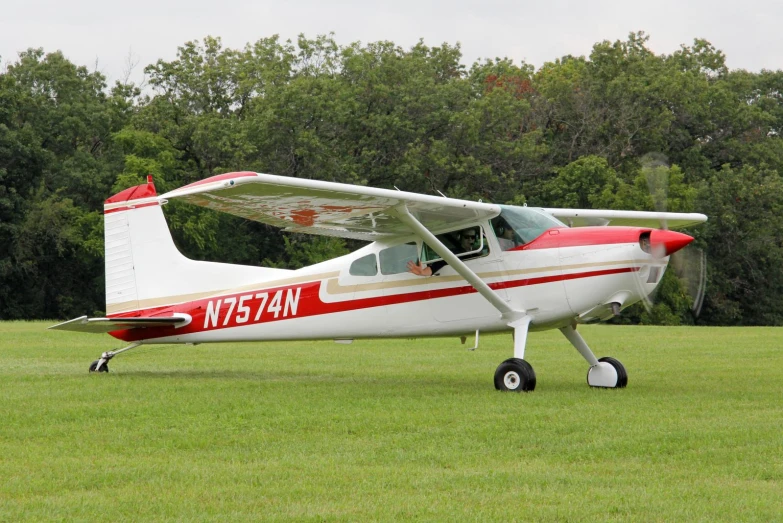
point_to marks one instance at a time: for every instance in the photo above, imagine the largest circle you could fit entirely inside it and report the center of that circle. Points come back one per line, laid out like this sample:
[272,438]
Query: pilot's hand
[419,269]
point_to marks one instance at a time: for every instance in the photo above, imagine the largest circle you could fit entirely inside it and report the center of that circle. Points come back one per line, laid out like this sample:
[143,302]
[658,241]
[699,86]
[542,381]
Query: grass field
[392,429]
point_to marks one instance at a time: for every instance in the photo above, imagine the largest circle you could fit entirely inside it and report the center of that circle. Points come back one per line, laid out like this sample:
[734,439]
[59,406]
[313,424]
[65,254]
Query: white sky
[747,32]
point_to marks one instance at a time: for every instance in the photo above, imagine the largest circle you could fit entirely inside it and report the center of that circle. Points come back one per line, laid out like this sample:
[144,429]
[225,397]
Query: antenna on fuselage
[441,193]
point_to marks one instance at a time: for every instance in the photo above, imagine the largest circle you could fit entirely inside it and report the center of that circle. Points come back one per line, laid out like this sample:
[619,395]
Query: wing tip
[61,325]
[227,178]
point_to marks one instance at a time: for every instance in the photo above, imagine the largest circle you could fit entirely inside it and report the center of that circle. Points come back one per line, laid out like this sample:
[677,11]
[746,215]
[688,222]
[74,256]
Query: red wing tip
[221,177]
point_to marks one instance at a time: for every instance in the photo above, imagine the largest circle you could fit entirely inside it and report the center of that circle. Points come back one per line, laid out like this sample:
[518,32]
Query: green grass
[392,429]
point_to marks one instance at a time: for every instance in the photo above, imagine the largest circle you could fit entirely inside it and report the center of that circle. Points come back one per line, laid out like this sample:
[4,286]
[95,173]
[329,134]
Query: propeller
[689,264]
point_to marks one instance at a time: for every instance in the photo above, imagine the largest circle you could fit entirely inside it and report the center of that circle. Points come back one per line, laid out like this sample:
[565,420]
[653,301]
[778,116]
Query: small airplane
[435,266]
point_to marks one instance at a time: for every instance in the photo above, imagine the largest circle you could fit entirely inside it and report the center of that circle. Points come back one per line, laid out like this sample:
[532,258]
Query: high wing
[328,208]
[657,220]
[103,325]
[368,213]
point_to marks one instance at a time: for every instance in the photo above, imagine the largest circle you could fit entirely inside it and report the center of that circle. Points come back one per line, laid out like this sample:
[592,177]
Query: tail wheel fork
[102,363]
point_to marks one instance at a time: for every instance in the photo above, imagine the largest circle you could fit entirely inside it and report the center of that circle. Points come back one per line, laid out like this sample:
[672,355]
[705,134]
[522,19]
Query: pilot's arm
[425,270]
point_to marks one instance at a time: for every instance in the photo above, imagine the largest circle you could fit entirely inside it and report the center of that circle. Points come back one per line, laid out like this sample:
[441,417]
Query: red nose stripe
[585,236]
[582,236]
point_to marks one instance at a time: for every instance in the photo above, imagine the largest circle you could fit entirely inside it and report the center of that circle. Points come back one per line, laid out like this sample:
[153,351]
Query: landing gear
[103,368]
[606,373]
[515,375]
[102,364]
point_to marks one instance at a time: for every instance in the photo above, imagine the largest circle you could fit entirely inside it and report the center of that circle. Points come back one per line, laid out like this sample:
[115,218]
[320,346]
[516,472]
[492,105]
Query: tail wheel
[515,375]
[104,367]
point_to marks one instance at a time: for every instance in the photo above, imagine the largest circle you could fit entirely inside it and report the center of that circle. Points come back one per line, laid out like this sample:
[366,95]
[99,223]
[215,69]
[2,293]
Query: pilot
[467,241]
[505,236]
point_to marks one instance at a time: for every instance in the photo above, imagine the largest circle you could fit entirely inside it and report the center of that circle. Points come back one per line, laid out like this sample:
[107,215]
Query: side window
[466,243]
[394,260]
[364,266]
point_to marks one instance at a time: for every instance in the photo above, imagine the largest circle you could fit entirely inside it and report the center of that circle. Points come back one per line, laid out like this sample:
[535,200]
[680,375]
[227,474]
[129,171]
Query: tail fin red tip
[135,193]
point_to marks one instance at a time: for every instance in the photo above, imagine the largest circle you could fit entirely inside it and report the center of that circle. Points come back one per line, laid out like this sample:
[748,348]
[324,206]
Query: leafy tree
[744,241]
[57,165]
[587,183]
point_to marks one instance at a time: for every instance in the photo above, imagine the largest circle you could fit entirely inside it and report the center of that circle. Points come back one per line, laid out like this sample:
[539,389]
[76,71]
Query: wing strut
[496,301]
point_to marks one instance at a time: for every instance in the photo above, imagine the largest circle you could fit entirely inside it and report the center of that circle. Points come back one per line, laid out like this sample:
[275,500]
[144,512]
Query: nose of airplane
[668,242]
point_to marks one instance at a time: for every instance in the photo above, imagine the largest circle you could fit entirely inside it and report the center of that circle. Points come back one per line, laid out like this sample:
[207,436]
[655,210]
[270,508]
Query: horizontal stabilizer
[103,325]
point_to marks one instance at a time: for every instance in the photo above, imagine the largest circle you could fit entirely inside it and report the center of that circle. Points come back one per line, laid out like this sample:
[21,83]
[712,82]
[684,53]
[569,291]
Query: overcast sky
[748,32]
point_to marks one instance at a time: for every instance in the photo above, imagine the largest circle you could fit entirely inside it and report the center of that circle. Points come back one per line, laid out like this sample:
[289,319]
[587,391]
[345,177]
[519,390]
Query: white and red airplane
[435,266]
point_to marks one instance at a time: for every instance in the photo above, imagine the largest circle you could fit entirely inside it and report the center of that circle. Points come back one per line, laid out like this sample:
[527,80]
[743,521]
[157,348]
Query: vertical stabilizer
[144,268]
[121,285]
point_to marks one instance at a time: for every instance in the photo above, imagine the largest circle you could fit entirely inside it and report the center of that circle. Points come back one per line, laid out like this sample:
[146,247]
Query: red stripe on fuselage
[582,236]
[309,304]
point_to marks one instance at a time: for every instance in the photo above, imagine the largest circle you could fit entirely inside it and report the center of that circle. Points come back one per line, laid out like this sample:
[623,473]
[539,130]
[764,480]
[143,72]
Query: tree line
[622,128]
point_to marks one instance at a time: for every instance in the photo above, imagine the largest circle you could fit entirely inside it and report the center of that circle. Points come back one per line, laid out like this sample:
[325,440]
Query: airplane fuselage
[563,274]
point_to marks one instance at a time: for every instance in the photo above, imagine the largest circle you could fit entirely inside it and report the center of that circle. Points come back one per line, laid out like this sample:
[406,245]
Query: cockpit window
[465,243]
[364,266]
[520,225]
[394,260]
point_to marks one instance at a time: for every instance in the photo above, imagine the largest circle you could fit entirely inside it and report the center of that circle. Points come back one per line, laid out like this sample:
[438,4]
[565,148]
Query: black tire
[622,376]
[515,375]
[104,367]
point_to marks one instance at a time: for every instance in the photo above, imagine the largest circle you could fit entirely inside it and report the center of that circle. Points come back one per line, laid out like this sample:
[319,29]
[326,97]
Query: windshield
[520,225]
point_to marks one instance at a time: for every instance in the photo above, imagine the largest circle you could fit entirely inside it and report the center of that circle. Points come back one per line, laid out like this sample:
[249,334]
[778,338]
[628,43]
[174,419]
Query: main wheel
[515,375]
[104,367]
[597,377]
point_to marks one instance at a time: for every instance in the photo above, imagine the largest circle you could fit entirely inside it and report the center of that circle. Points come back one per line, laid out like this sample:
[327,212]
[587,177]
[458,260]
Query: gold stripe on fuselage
[149,303]
[333,285]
